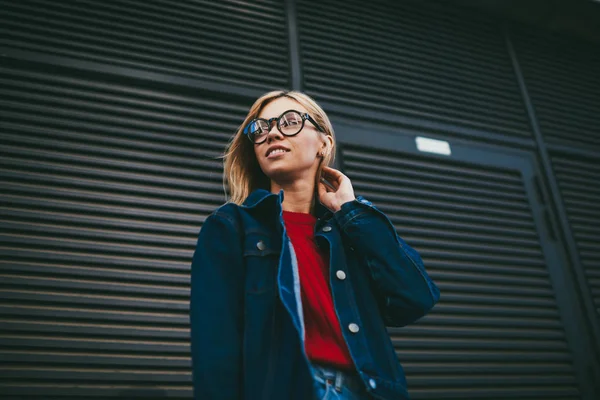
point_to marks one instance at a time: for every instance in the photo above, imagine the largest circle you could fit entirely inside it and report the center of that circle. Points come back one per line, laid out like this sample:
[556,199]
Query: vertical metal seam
[583,289]
[294,45]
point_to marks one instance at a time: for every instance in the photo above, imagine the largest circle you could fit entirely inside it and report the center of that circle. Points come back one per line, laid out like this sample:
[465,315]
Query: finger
[322,189]
[326,188]
[327,183]
[333,173]
[331,186]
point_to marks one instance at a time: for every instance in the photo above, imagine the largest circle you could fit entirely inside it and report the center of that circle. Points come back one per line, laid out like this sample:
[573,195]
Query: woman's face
[301,158]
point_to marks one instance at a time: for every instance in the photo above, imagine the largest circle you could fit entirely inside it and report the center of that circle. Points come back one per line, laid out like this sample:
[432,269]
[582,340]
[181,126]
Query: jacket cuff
[351,210]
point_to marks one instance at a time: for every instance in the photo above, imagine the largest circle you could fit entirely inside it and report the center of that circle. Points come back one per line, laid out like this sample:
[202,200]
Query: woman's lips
[276,154]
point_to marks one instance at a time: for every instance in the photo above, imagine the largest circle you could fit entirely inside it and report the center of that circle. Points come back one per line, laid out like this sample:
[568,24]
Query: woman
[290,298]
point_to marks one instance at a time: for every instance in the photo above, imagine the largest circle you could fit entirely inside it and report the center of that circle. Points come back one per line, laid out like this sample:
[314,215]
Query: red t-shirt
[324,342]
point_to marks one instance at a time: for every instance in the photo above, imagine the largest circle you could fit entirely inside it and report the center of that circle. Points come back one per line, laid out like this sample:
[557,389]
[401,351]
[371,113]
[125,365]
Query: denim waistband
[338,377]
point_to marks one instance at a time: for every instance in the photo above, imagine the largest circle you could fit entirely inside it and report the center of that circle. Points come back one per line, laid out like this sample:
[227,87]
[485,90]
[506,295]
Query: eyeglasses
[289,123]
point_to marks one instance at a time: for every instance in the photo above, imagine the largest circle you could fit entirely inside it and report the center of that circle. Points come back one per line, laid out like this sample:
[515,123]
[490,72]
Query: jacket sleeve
[216,311]
[402,286]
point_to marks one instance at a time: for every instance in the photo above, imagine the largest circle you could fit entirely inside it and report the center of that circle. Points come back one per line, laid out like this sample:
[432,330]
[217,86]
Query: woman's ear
[326,146]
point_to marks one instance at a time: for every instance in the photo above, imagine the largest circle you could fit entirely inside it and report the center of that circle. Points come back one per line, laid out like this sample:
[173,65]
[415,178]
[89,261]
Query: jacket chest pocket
[261,259]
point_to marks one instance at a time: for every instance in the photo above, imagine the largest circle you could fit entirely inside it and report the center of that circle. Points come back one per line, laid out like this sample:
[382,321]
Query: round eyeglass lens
[258,130]
[290,123]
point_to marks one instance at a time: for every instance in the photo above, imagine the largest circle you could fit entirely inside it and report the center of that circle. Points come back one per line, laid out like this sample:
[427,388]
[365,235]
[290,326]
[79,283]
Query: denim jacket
[247,328]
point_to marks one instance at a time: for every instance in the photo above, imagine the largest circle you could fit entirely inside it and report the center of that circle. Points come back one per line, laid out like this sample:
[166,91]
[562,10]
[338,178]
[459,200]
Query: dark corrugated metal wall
[497,328]
[578,181]
[454,79]
[563,81]
[104,187]
[187,39]
[112,120]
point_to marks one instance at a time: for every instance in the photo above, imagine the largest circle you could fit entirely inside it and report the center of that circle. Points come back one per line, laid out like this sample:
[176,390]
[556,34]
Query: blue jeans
[334,384]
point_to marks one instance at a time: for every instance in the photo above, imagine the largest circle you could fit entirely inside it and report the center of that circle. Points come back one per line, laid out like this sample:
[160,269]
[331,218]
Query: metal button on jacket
[341,275]
[261,245]
[326,228]
[372,383]
[353,328]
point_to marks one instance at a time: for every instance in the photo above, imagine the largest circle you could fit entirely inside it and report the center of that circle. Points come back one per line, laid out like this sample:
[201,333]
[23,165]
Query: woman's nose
[273,133]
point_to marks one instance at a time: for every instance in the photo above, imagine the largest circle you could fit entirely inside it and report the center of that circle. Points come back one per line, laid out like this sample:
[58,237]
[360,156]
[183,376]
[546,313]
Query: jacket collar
[260,195]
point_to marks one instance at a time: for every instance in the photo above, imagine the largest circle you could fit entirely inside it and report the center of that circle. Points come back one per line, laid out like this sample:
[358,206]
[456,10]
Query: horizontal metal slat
[73,358]
[99,272]
[104,260]
[84,192]
[60,232]
[437,196]
[94,108]
[86,329]
[394,54]
[473,344]
[492,278]
[88,315]
[373,100]
[496,300]
[319,69]
[77,205]
[139,46]
[190,226]
[441,263]
[171,17]
[450,216]
[15,155]
[93,375]
[569,74]
[55,295]
[61,175]
[38,122]
[177,295]
[56,391]
[458,222]
[407,90]
[493,369]
[401,96]
[450,124]
[367,19]
[111,22]
[486,356]
[418,232]
[460,245]
[472,332]
[232,73]
[456,172]
[72,343]
[118,92]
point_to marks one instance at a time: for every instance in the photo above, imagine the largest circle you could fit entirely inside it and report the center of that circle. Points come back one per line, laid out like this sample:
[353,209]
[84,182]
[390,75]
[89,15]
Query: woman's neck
[299,197]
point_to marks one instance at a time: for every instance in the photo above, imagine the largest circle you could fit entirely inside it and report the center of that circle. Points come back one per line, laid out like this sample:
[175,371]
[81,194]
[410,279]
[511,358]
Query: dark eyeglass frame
[303,116]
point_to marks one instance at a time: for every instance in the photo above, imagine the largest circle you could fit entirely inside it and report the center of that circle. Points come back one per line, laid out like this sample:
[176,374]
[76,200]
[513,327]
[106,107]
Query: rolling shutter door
[496,332]
[562,79]
[578,182]
[209,40]
[104,187]
[382,60]
[564,86]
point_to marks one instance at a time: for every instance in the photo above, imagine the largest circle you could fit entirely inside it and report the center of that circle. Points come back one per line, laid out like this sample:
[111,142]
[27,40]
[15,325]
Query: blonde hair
[241,169]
